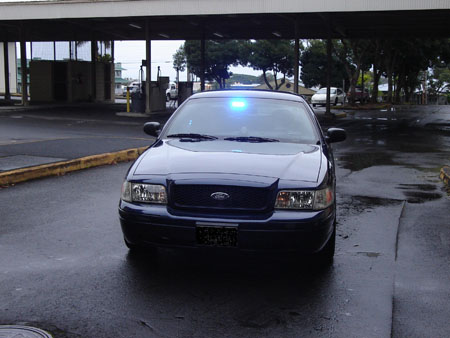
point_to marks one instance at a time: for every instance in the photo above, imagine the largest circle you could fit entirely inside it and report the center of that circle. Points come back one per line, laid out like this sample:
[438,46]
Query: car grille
[188,196]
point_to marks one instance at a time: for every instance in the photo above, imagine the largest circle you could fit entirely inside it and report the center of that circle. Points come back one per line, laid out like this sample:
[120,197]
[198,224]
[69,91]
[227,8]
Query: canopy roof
[218,19]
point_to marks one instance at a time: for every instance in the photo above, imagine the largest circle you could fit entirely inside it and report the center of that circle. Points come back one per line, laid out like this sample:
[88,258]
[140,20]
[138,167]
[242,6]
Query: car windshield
[244,120]
[324,91]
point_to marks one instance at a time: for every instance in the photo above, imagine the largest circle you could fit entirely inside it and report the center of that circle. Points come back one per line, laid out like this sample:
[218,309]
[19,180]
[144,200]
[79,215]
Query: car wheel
[168,97]
[336,102]
[325,256]
[138,249]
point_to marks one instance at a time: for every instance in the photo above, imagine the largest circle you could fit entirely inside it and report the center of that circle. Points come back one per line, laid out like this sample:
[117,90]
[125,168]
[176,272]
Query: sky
[131,54]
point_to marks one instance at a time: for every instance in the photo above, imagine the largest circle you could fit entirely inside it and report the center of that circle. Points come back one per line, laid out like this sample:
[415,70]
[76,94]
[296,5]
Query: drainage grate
[13,331]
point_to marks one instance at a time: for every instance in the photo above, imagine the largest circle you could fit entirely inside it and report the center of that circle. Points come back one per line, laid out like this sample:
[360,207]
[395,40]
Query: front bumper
[282,231]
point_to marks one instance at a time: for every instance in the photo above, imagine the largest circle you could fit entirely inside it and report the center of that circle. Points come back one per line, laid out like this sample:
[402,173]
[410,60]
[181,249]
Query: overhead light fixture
[278,35]
[164,35]
[134,26]
[218,35]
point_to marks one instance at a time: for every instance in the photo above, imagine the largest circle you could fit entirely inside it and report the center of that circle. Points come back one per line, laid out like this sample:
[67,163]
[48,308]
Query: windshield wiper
[193,135]
[255,139]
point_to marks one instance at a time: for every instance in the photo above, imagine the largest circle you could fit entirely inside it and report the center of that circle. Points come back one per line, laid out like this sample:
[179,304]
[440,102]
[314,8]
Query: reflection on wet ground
[358,204]
[422,187]
[367,201]
[363,160]
[421,197]
[421,192]
[397,135]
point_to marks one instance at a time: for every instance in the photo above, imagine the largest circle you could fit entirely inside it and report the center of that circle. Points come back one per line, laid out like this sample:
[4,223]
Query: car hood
[289,161]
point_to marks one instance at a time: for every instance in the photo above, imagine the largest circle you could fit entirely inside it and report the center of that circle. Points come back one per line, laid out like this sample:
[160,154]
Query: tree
[179,60]
[352,54]
[439,80]
[100,50]
[314,66]
[244,79]
[276,56]
[219,55]
[413,58]
[375,55]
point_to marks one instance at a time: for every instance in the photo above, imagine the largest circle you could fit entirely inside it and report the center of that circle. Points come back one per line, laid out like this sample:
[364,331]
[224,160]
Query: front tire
[168,97]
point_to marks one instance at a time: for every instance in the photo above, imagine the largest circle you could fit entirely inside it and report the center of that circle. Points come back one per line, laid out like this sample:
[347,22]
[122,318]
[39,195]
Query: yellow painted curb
[445,175]
[60,168]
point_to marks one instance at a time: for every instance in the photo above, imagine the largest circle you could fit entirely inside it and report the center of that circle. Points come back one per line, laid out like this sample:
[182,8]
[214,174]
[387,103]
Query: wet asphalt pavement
[65,269]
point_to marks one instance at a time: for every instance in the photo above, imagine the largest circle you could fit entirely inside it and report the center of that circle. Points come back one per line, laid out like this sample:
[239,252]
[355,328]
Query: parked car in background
[360,96]
[337,95]
[172,92]
[133,87]
[243,170]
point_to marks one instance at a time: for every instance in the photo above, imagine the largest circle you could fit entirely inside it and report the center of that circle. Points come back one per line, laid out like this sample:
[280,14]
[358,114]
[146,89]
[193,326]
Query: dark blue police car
[244,170]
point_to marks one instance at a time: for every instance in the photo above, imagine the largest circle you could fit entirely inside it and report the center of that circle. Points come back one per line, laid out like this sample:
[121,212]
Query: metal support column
[94,70]
[148,69]
[23,70]
[113,73]
[6,68]
[296,58]
[328,108]
[203,61]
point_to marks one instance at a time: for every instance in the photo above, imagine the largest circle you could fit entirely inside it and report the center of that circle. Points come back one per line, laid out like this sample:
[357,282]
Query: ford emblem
[220,196]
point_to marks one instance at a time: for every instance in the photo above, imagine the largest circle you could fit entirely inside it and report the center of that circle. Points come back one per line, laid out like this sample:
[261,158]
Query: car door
[340,96]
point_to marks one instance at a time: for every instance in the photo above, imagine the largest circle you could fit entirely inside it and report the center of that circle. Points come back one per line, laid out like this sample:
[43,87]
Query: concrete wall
[41,81]
[100,81]
[120,8]
[78,84]
[80,81]
[12,68]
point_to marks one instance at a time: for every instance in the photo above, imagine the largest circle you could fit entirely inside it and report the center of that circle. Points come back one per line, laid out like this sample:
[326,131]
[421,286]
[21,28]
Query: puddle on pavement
[368,201]
[421,187]
[358,204]
[420,196]
[360,161]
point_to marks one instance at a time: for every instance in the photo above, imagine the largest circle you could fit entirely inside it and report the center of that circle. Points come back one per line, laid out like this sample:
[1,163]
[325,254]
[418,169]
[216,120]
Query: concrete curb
[341,114]
[445,175]
[61,168]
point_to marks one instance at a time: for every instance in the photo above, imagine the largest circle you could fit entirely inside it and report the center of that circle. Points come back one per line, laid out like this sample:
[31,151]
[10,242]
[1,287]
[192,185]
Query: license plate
[217,234]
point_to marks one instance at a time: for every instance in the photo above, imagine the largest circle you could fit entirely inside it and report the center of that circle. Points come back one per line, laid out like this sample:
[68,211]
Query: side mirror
[336,135]
[152,128]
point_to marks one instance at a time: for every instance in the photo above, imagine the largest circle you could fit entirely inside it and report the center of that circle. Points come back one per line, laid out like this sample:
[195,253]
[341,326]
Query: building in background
[120,83]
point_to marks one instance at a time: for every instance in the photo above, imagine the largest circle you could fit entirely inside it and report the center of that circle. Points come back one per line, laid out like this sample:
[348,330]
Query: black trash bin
[138,100]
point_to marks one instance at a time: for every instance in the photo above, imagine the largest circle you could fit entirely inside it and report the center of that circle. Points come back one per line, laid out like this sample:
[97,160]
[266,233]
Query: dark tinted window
[287,121]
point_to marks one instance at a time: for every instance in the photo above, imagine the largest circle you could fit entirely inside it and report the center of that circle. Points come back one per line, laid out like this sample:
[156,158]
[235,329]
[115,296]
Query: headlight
[305,199]
[146,193]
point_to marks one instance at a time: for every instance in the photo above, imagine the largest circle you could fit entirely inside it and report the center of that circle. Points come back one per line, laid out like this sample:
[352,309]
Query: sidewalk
[39,141]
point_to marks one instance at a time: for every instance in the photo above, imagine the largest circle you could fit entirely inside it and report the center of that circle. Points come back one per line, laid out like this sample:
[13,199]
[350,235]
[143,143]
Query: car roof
[253,93]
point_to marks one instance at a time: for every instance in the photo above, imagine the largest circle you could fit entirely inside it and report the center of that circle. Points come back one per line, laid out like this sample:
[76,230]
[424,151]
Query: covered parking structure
[109,20]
